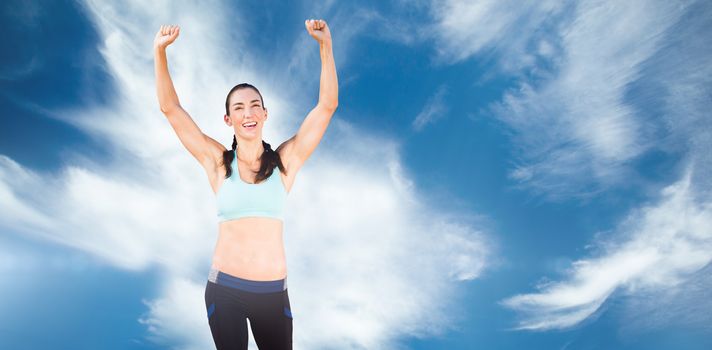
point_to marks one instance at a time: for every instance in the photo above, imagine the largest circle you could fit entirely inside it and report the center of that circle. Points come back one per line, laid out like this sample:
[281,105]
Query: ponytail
[270,161]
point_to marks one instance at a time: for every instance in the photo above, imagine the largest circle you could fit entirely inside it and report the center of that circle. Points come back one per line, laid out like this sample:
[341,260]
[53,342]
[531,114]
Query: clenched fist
[318,30]
[166,36]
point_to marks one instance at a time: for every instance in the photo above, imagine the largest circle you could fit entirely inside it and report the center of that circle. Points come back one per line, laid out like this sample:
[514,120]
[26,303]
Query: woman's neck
[250,152]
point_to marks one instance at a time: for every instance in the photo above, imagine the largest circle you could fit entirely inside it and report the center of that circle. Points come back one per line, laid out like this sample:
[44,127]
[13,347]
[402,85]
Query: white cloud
[575,130]
[466,28]
[434,109]
[680,80]
[386,264]
[377,227]
[655,248]
[174,318]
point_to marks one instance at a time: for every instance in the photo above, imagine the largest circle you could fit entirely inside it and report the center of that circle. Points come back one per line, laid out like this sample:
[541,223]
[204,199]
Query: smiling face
[246,113]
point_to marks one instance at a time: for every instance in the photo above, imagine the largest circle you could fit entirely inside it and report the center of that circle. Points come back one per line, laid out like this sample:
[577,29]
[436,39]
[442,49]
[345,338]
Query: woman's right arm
[205,149]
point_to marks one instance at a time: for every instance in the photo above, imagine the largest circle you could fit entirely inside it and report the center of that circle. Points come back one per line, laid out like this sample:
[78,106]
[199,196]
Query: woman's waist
[250,248]
[246,252]
[253,265]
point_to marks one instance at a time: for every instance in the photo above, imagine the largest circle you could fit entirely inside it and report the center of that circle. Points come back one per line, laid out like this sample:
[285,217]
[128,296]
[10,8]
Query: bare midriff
[251,248]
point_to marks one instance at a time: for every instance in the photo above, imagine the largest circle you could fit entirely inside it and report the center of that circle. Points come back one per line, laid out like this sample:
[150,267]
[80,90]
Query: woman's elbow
[168,108]
[331,106]
[165,109]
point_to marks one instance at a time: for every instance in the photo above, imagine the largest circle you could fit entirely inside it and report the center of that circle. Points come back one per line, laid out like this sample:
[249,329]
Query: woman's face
[246,110]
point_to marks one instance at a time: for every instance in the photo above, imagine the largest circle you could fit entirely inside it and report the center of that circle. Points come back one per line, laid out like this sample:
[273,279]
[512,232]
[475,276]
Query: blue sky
[498,175]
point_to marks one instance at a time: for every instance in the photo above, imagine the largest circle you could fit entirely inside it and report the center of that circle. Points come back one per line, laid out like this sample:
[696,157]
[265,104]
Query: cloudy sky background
[498,174]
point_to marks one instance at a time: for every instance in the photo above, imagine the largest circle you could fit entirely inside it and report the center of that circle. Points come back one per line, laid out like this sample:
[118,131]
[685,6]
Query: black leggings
[231,300]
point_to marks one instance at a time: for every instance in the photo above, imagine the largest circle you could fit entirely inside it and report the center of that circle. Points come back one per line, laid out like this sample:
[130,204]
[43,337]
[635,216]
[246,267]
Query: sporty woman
[248,276]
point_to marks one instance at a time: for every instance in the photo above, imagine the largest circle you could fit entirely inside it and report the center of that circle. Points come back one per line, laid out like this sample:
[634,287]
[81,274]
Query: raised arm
[301,146]
[205,149]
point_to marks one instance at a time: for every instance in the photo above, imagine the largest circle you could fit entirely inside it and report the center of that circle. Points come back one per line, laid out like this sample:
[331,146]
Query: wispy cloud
[581,114]
[150,203]
[175,318]
[465,28]
[573,128]
[576,131]
[655,247]
[434,109]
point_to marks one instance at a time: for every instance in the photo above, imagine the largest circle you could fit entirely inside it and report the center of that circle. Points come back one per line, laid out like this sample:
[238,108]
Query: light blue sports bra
[237,198]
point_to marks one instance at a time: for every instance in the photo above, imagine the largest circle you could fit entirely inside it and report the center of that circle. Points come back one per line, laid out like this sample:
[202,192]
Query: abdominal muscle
[251,248]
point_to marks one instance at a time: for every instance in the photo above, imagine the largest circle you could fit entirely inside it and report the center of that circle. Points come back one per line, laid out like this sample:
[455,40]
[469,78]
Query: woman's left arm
[315,123]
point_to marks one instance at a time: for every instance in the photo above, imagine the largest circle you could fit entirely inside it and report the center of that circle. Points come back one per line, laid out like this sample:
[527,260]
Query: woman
[248,276]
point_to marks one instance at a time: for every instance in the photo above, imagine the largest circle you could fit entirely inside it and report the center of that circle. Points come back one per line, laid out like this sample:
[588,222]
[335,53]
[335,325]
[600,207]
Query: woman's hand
[166,36]
[318,30]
